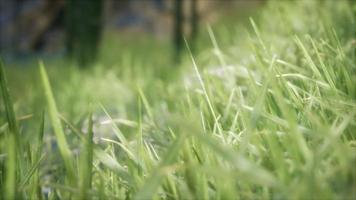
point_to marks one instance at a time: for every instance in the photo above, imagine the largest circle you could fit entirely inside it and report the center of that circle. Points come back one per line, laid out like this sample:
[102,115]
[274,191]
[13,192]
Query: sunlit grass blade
[207,98]
[112,164]
[310,61]
[57,126]
[146,104]
[256,173]
[117,131]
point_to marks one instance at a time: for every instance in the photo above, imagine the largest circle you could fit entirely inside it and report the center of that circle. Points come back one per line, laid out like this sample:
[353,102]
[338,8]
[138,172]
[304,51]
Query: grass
[266,112]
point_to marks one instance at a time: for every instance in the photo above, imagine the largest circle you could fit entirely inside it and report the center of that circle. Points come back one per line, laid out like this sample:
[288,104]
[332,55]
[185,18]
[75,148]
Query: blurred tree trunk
[194,23]
[178,30]
[83,30]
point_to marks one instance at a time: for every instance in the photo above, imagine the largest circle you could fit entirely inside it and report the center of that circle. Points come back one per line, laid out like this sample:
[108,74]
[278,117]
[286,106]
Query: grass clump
[271,115]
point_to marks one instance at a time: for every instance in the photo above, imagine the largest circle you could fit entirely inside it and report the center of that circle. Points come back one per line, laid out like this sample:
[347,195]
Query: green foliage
[270,114]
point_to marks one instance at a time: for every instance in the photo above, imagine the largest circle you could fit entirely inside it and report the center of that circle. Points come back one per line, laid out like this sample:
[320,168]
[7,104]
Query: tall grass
[264,114]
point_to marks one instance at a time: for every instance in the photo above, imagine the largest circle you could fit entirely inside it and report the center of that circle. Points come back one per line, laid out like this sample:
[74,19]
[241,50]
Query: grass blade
[10,184]
[10,113]
[154,181]
[86,161]
[13,138]
[57,126]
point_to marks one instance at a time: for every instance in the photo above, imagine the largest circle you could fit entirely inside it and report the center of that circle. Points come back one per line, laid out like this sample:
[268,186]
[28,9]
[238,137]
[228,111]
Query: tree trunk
[194,22]
[178,30]
[83,28]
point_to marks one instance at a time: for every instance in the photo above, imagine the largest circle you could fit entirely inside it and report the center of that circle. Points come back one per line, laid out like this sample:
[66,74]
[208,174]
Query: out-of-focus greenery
[264,112]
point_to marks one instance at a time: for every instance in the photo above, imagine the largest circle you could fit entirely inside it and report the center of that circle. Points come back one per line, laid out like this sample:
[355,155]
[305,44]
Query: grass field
[263,111]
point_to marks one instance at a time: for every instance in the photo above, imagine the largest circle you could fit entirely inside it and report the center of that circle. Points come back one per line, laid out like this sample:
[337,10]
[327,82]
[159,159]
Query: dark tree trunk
[194,22]
[178,30]
[83,27]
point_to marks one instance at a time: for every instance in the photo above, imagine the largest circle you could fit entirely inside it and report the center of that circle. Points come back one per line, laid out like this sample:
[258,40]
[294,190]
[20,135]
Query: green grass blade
[153,182]
[86,161]
[31,172]
[257,174]
[116,129]
[11,166]
[36,188]
[13,139]
[57,126]
[10,113]
[112,164]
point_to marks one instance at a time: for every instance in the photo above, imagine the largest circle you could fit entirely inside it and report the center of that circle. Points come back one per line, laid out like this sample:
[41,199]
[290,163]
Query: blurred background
[84,31]
[104,50]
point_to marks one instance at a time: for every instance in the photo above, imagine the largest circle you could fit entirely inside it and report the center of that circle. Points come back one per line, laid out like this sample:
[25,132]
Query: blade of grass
[11,166]
[256,173]
[153,182]
[207,98]
[10,113]
[37,193]
[112,164]
[31,172]
[116,129]
[12,163]
[86,161]
[57,126]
